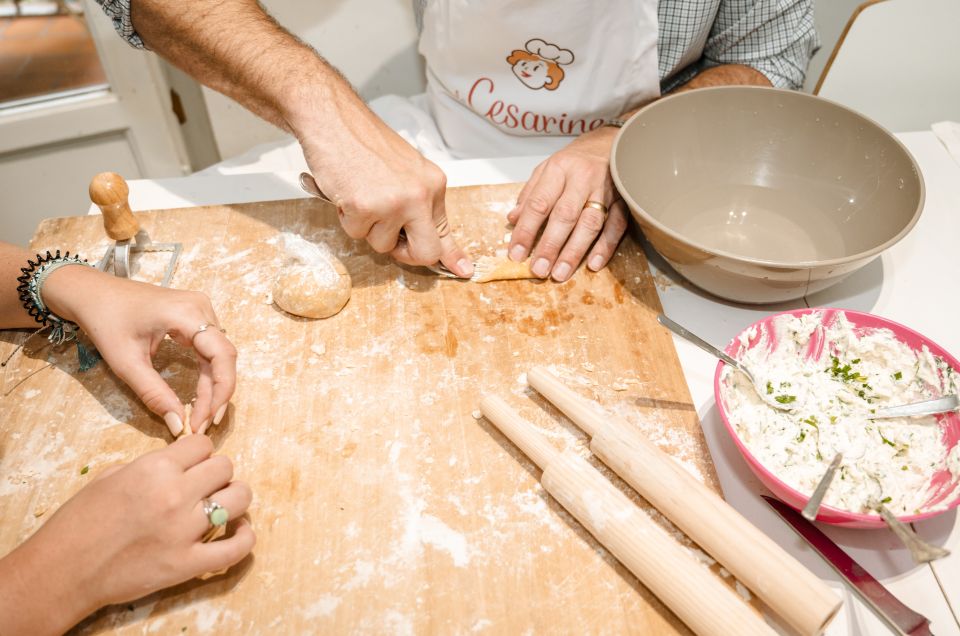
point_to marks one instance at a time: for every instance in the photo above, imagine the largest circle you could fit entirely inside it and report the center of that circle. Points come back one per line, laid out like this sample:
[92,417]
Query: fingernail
[219,416]
[173,423]
[561,272]
[596,263]
[203,427]
[465,267]
[517,252]
[541,268]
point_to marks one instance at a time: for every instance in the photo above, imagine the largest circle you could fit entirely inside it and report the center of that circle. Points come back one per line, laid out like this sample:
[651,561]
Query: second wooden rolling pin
[697,596]
[789,589]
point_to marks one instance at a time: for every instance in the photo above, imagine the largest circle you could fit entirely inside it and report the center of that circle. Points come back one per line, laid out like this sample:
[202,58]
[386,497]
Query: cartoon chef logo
[539,65]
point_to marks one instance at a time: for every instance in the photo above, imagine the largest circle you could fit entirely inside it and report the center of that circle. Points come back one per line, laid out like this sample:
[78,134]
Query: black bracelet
[30,290]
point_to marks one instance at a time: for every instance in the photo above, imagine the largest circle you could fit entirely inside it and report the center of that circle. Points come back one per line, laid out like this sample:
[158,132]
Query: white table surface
[916,282]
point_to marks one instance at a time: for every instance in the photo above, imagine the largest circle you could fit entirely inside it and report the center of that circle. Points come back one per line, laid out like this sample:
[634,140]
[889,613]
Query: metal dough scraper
[109,191]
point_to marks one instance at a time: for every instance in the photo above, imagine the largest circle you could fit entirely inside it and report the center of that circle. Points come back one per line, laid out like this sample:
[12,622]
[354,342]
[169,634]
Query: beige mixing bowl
[760,195]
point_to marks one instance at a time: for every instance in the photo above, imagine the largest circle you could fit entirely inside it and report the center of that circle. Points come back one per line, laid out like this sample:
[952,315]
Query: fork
[920,550]
[681,331]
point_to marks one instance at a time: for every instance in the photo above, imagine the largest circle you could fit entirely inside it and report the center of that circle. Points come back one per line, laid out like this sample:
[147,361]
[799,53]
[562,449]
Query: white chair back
[898,62]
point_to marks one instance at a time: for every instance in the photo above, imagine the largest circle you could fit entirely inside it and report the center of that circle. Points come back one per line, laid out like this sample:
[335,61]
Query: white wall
[372,42]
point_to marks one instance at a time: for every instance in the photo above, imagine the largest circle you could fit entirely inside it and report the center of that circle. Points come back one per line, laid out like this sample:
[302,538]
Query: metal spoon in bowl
[709,348]
[920,550]
[813,505]
[926,407]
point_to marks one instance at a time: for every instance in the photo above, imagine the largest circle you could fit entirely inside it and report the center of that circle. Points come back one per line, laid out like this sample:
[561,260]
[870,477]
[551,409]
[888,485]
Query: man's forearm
[725,75]
[235,47]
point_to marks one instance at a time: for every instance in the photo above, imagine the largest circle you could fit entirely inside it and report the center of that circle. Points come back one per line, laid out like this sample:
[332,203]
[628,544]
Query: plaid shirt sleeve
[775,37]
[119,12]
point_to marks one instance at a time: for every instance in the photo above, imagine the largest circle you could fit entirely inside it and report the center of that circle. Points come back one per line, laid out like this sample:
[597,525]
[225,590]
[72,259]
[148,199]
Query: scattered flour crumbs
[323,606]
[683,448]
[500,207]
[417,528]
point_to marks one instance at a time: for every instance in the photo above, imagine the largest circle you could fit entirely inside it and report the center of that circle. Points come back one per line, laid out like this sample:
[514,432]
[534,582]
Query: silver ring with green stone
[218,516]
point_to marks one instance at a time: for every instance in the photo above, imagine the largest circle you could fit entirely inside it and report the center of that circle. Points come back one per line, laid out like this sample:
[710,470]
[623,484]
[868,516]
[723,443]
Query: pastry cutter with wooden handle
[109,191]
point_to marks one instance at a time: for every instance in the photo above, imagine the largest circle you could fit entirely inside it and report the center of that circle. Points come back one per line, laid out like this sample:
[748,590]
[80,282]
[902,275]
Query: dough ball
[319,290]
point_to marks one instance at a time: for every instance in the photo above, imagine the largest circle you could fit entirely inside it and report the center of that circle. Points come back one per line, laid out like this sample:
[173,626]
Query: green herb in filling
[885,440]
[845,373]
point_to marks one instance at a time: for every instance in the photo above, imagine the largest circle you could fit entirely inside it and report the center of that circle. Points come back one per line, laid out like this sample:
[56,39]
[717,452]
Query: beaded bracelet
[31,294]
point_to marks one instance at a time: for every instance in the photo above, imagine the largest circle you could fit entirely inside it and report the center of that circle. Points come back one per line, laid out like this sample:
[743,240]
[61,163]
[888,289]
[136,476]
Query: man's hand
[380,182]
[557,195]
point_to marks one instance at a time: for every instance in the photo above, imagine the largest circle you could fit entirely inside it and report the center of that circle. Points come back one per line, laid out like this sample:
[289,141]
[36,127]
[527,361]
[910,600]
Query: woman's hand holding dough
[127,320]
[133,530]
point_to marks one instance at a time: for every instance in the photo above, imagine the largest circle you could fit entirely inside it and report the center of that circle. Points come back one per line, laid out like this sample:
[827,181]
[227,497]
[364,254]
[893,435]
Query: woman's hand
[557,194]
[134,530]
[127,320]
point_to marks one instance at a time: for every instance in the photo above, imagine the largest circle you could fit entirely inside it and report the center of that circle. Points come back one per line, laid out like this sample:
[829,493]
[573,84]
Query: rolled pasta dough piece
[312,283]
[491,268]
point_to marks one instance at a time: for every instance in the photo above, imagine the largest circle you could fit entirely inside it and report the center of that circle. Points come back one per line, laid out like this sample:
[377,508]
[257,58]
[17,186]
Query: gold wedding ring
[596,205]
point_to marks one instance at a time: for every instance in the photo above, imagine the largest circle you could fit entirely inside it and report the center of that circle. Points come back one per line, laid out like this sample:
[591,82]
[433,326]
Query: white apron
[523,77]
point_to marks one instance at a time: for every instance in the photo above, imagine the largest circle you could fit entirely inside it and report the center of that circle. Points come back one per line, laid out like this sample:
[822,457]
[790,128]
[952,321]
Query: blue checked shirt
[775,37]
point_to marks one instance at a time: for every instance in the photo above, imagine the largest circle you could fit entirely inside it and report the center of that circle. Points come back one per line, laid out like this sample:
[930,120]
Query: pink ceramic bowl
[949,425]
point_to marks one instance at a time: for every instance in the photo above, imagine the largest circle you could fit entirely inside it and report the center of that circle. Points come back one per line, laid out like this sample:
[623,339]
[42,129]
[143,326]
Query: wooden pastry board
[381,504]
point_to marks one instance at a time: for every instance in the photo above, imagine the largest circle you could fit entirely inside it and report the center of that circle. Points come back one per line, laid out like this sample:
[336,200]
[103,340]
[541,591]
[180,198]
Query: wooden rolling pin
[790,590]
[675,576]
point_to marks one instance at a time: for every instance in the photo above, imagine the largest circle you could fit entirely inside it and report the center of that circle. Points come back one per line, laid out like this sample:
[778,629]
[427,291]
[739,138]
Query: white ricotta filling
[833,377]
